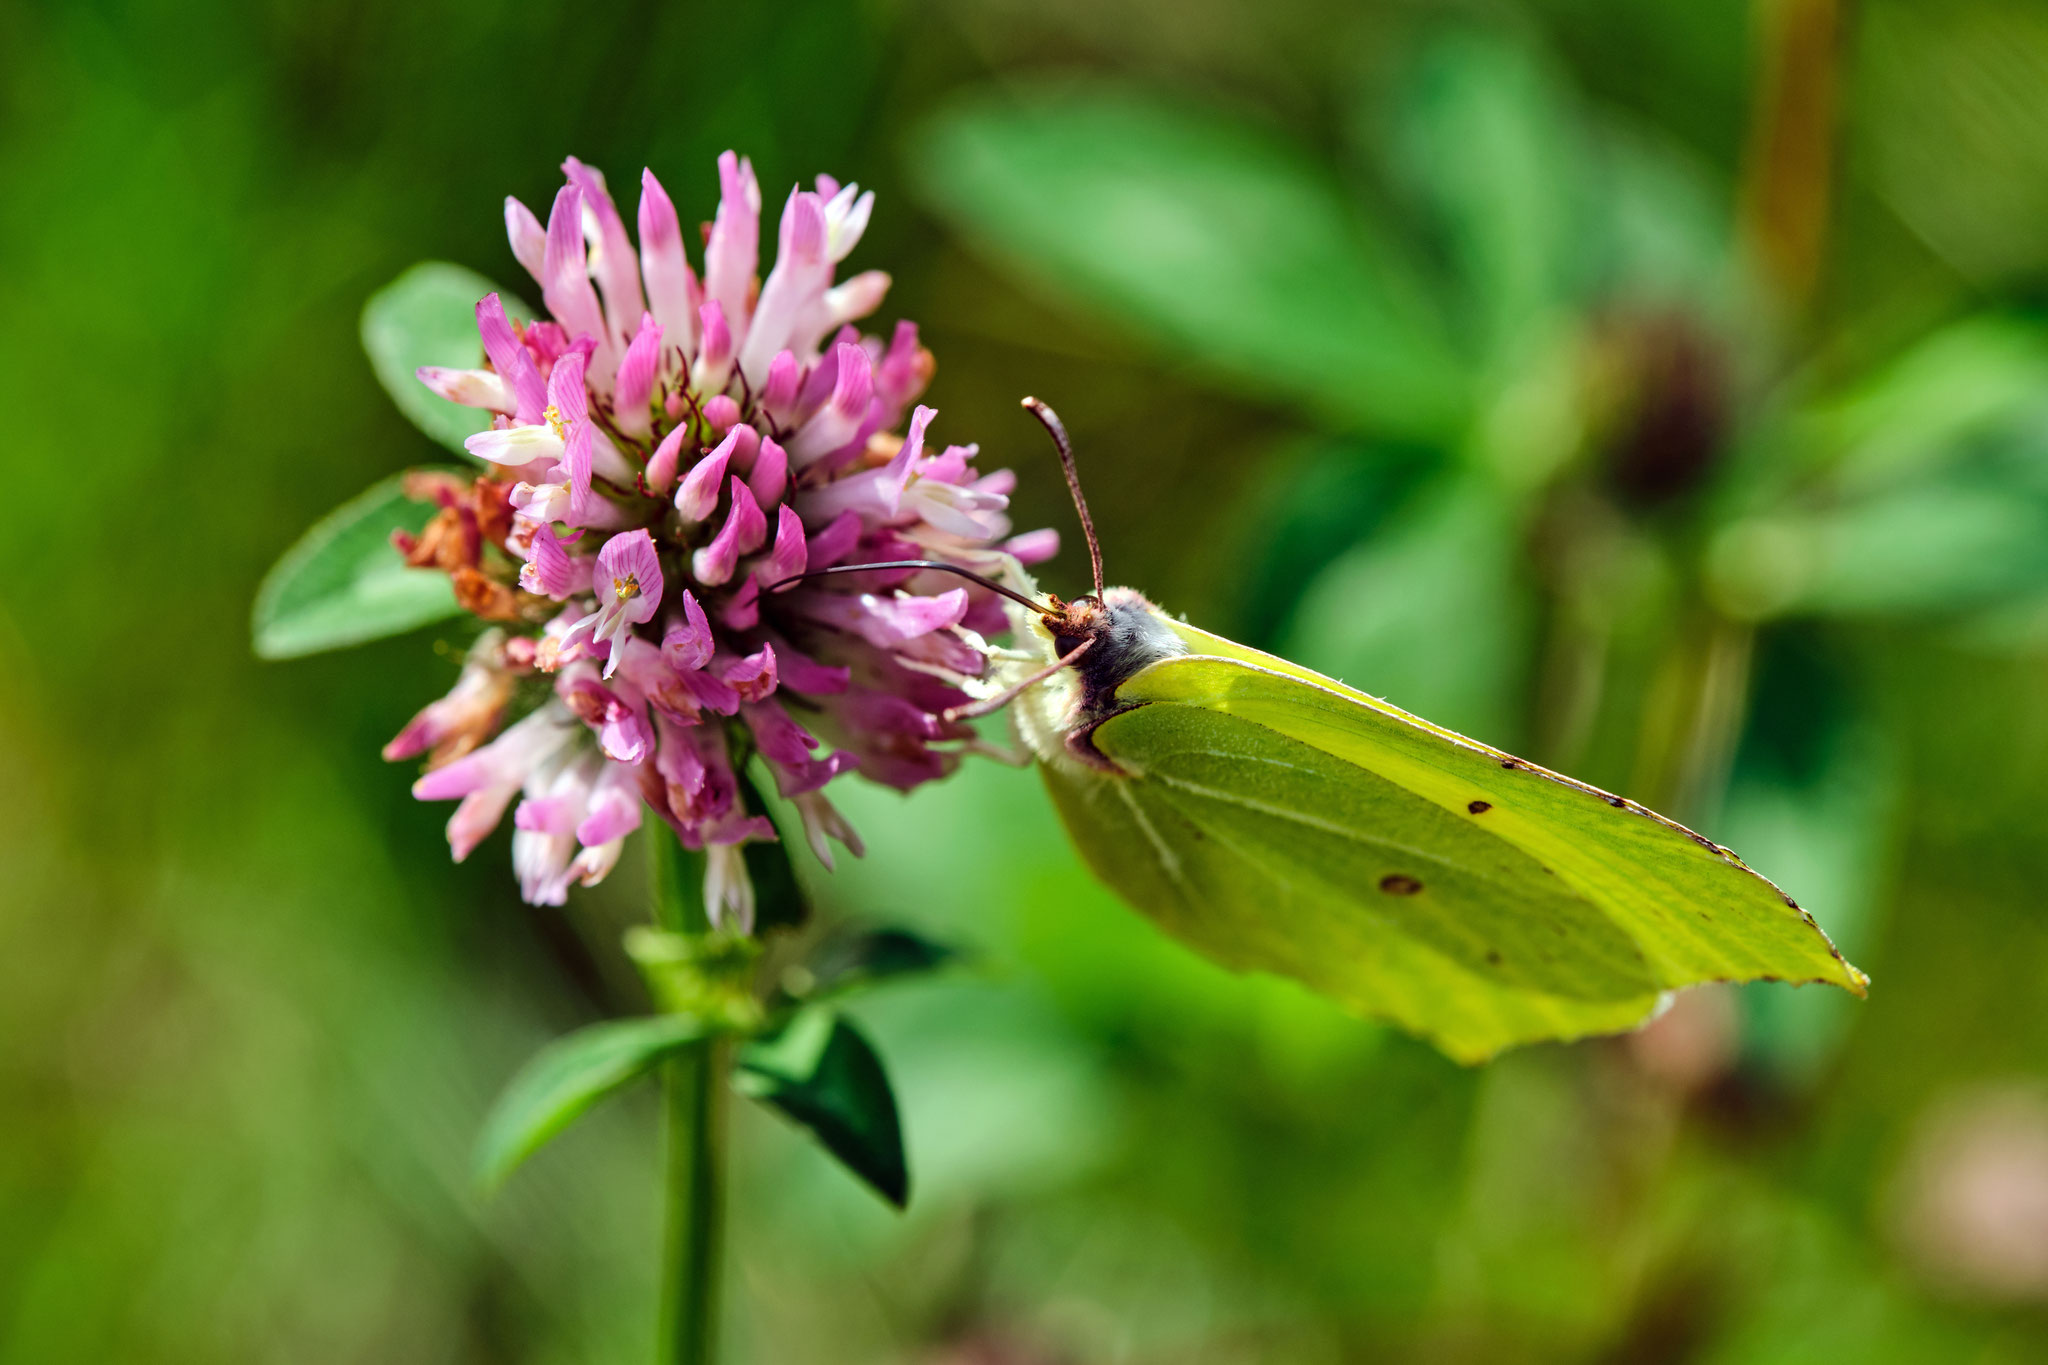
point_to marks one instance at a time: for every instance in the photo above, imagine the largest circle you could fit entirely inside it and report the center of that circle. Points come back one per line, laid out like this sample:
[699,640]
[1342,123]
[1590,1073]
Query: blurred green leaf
[427,316]
[567,1077]
[1428,615]
[823,1074]
[1935,547]
[1983,377]
[1812,805]
[1491,143]
[343,583]
[1212,238]
[852,956]
[1312,499]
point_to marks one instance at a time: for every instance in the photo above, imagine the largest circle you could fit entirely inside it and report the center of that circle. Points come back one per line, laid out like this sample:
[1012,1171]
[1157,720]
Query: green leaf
[823,1074]
[1488,138]
[1375,617]
[343,583]
[1983,377]
[1208,237]
[1815,796]
[427,316]
[567,1077]
[851,957]
[1916,553]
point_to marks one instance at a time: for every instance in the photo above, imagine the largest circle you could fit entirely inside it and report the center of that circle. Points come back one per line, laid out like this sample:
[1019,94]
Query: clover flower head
[665,450]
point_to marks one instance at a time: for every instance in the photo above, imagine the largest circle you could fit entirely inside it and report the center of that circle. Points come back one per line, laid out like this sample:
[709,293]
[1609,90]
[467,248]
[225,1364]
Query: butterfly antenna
[941,565]
[1058,431]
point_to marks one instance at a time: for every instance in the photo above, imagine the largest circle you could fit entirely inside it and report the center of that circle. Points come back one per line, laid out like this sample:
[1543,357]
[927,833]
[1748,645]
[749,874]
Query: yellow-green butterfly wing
[1277,820]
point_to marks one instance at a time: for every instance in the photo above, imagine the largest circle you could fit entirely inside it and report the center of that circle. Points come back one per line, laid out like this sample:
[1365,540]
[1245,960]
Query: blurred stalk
[1699,698]
[694,1114]
[1788,173]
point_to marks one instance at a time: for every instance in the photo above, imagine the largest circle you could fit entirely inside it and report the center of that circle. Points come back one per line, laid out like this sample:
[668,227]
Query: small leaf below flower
[568,1076]
[343,583]
[852,956]
[427,316]
[822,1073]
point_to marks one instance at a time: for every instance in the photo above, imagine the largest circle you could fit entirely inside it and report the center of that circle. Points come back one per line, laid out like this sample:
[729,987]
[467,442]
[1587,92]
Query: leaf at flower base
[1204,235]
[820,1072]
[427,316]
[567,1077]
[343,583]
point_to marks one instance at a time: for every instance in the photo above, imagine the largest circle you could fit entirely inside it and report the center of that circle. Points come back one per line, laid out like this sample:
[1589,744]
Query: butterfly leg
[1009,694]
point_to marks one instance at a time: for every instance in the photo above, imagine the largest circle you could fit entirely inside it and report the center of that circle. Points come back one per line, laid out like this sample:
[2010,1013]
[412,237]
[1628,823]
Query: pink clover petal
[619,719]
[511,757]
[834,424]
[592,865]
[566,280]
[779,390]
[673,295]
[566,395]
[697,499]
[546,815]
[800,276]
[753,677]
[769,478]
[476,816]
[732,251]
[712,369]
[613,262]
[822,818]
[801,673]
[688,643]
[472,388]
[550,571]
[511,360]
[744,530]
[633,391]
[791,554]
[709,691]
[515,446]
[528,238]
[745,449]
[721,411]
[742,611]
[471,706]
[614,807]
[1033,547]
[779,738]
[835,542]
[661,467]
[628,587]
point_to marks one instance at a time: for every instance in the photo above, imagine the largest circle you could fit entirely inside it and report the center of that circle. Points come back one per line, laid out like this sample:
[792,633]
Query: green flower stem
[694,1091]
[694,1095]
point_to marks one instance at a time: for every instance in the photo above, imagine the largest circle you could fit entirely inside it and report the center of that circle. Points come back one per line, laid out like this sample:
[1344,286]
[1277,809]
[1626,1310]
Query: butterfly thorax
[1124,633]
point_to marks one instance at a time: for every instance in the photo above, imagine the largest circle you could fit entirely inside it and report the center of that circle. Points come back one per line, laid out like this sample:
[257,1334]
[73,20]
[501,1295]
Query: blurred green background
[1661,390]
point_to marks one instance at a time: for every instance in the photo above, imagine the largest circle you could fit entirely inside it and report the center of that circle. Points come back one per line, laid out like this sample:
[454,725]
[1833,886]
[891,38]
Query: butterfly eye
[1064,645]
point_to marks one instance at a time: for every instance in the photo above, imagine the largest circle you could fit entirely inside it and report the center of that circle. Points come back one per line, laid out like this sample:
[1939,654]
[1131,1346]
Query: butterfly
[1278,820]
